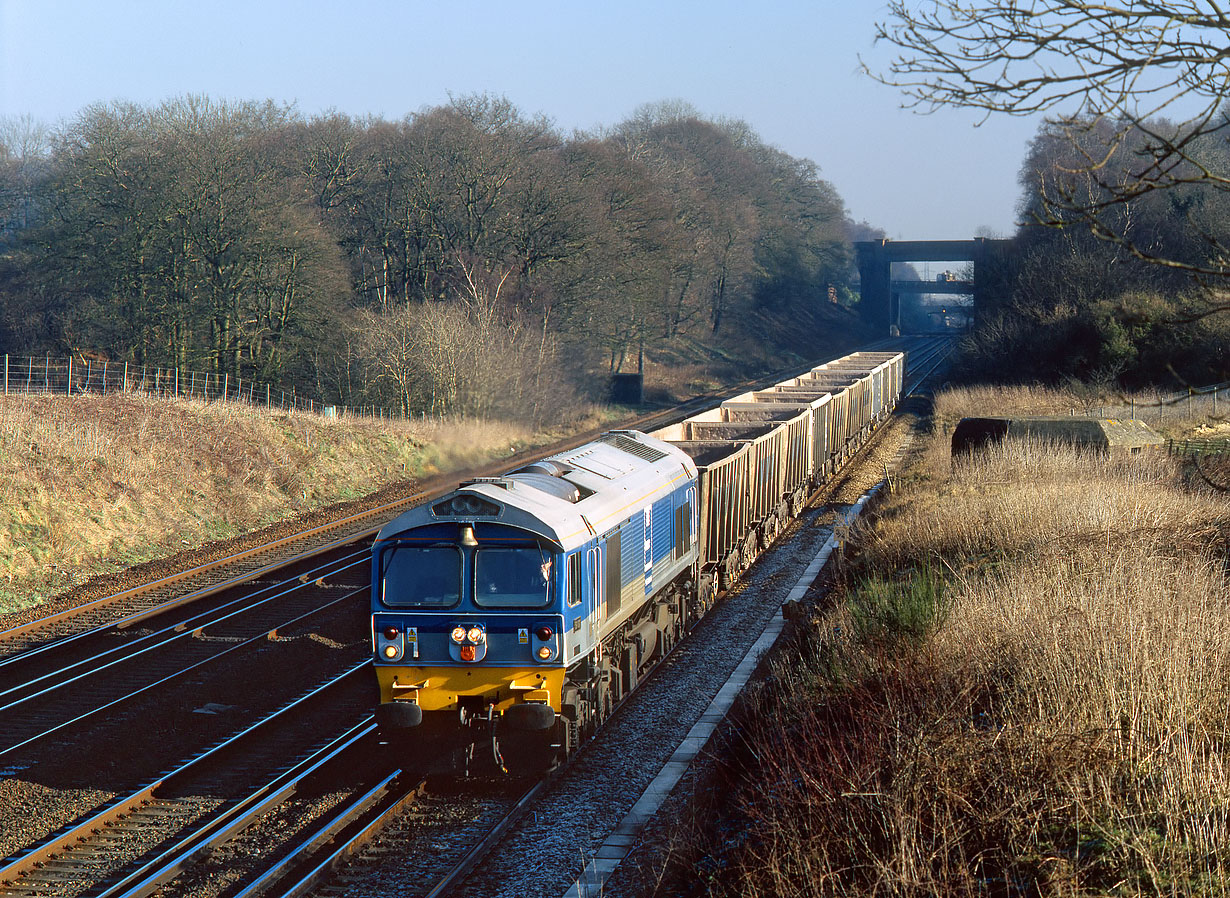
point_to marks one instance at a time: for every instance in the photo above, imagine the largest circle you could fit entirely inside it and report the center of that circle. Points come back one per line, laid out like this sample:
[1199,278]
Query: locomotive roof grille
[465,505]
[625,443]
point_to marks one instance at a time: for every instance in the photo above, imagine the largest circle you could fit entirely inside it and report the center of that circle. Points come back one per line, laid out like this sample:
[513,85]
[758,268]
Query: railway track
[146,837]
[42,668]
[69,683]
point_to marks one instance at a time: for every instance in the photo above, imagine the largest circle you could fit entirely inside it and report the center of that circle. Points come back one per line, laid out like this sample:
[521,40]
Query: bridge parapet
[881,295]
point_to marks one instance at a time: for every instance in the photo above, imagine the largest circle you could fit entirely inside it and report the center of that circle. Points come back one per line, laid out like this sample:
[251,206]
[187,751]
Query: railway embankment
[1015,683]
[91,485]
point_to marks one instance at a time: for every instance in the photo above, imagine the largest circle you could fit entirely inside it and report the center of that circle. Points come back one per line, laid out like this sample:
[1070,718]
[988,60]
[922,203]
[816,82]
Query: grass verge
[94,484]
[1022,688]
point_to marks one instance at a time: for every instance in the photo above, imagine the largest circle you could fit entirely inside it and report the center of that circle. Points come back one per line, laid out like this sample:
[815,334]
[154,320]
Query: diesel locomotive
[510,616]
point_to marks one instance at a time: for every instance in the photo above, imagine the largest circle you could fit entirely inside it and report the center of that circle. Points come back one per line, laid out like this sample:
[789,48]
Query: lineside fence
[1198,447]
[28,374]
[1164,408]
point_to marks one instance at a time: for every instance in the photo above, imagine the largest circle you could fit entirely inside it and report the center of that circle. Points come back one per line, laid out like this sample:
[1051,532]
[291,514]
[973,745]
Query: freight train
[512,615]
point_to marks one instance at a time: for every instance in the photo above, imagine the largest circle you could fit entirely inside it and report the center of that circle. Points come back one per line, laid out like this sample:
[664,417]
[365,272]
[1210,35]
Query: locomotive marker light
[545,644]
[389,644]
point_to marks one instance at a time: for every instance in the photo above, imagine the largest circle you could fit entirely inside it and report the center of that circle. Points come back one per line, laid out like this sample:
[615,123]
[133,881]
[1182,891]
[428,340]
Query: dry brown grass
[1061,727]
[1176,418]
[90,484]
[1037,500]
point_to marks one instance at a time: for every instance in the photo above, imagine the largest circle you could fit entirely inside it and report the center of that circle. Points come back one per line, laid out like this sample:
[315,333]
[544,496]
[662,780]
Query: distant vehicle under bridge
[881,294]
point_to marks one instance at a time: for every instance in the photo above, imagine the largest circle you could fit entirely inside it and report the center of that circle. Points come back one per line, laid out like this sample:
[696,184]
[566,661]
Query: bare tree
[24,147]
[1137,88]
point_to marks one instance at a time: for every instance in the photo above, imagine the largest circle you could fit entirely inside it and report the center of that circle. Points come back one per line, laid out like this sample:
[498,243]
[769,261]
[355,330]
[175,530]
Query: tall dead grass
[1061,729]
[93,483]
[1169,413]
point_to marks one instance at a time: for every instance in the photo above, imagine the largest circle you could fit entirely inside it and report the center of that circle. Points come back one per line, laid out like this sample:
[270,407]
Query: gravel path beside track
[638,875]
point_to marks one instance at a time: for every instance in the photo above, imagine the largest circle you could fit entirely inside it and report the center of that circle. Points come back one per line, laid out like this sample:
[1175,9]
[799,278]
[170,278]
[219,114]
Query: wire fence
[1161,409]
[29,374]
[1198,447]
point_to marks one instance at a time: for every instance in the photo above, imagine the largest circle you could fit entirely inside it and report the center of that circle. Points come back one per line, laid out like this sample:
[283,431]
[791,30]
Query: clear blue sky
[788,67]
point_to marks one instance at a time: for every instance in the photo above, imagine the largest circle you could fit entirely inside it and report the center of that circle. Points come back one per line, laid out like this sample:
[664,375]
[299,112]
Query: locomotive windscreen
[421,577]
[512,577]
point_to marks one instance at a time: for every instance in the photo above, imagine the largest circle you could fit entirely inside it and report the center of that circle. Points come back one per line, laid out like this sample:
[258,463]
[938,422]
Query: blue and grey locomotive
[514,612]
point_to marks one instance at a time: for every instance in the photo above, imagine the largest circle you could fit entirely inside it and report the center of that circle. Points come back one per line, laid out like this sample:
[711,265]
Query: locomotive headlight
[458,635]
[476,635]
[545,653]
[391,651]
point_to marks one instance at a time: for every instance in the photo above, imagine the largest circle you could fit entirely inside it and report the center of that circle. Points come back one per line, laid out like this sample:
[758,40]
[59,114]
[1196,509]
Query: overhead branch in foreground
[1137,90]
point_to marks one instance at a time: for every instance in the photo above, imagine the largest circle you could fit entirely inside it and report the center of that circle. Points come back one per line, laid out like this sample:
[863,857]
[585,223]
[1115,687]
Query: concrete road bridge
[881,295]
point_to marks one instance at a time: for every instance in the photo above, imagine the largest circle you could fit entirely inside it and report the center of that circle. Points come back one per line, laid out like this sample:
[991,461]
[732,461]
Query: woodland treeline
[1121,273]
[468,258]
[1095,305]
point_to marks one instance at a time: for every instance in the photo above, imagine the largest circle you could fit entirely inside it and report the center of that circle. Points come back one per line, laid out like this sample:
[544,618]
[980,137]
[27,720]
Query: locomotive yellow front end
[502,613]
[467,630]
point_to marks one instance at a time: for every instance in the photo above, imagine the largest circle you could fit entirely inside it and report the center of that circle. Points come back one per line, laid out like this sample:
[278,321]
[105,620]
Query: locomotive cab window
[683,529]
[421,577]
[507,577]
[575,575]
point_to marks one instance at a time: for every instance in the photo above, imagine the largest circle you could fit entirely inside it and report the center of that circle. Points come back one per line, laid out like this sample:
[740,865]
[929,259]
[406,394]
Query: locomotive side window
[512,578]
[575,571]
[421,577]
[683,529]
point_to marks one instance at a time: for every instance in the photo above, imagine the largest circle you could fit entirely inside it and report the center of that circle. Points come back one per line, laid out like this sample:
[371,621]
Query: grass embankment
[92,484]
[1023,688]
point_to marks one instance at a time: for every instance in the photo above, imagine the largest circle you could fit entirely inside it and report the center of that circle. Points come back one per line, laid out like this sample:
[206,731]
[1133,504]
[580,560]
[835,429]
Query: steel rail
[161,681]
[66,839]
[497,832]
[224,826]
[377,796]
[97,662]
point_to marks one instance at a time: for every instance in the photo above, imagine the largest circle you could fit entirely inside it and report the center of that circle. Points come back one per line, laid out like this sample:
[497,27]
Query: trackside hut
[1112,435]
